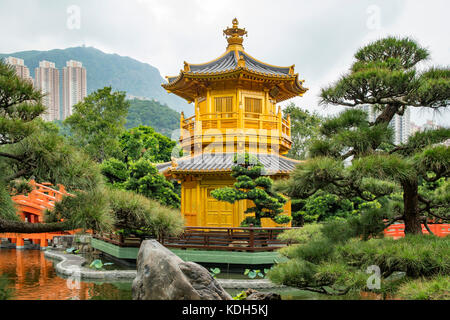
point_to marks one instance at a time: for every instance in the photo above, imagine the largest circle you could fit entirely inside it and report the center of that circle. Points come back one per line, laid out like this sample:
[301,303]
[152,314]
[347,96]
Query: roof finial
[235,35]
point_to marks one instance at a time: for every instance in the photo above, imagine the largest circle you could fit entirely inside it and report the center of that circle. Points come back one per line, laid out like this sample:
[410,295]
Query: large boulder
[162,275]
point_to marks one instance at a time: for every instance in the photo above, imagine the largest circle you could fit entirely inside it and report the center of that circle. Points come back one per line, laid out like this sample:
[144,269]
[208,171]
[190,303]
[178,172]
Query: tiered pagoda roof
[235,63]
[222,162]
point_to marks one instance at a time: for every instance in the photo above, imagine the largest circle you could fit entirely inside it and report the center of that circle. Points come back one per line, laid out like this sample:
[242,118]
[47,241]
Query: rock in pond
[162,275]
[256,295]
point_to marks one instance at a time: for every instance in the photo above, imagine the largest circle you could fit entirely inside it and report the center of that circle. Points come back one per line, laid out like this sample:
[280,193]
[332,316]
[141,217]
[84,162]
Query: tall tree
[304,128]
[31,148]
[98,121]
[383,76]
[145,142]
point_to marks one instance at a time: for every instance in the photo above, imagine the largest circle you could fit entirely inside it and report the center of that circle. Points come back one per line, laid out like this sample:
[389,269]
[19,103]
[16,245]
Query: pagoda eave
[186,85]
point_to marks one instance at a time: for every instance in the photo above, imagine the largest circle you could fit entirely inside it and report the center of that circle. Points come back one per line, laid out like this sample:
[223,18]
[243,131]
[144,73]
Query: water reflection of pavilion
[34,278]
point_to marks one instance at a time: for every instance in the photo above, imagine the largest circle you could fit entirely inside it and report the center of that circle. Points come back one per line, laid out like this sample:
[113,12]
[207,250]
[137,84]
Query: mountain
[121,73]
[152,113]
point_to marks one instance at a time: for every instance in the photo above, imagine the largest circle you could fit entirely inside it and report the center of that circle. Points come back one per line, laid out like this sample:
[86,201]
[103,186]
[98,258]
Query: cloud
[319,37]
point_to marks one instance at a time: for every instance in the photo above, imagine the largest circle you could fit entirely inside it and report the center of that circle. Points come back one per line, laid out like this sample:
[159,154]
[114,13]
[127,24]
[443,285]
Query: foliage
[7,209]
[145,142]
[39,152]
[323,206]
[422,255]
[115,171]
[135,213]
[145,179]
[214,272]
[154,114]
[426,289]
[98,121]
[134,170]
[252,274]
[20,104]
[354,157]
[302,235]
[240,296]
[384,77]
[31,148]
[49,157]
[87,209]
[377,175]
[96,264]
[304,128]
[251,222]
[329,259]
[251,184]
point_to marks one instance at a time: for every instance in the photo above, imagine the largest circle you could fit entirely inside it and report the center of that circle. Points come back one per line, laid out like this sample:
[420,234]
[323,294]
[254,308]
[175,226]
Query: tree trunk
[411,203]
[26,227]
[387,114]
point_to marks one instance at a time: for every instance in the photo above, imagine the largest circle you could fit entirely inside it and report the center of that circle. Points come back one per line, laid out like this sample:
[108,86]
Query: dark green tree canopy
[304,128]
[353,157]
[98,121]
[31,148]
[145,142]
[385,74]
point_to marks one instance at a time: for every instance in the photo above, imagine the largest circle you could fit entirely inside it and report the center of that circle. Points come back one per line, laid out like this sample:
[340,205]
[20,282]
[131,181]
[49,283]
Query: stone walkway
[71,265]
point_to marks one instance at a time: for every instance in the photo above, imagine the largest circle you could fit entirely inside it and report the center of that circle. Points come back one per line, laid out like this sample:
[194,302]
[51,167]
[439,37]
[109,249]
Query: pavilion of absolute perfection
[235,99]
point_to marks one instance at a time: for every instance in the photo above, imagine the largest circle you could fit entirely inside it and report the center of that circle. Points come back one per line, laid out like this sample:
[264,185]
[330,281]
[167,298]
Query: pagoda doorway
[218,213]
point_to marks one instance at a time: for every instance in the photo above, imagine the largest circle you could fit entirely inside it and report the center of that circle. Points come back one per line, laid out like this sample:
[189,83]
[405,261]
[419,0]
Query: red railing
[398,230]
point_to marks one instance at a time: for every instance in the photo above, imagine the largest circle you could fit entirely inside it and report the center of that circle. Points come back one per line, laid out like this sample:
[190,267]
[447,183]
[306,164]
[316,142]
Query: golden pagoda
[235,97]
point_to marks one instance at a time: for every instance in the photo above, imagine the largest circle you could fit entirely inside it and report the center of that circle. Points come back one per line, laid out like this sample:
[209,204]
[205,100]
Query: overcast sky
[319,37]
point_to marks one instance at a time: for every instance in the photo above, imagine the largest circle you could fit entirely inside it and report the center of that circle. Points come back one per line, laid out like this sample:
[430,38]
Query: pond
[31,276]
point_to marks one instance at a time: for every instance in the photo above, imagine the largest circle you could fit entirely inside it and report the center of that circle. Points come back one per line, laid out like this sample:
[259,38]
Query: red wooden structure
[398,230]
[31,208]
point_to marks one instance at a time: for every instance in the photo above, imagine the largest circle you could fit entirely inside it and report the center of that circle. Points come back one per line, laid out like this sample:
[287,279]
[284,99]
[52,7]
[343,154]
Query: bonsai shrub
[252,183]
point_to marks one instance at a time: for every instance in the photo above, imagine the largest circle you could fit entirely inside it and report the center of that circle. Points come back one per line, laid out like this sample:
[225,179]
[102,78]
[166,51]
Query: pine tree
[252,184]
[384,77]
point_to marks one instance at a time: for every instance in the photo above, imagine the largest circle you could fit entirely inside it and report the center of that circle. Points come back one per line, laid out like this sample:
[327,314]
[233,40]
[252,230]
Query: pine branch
[11,156]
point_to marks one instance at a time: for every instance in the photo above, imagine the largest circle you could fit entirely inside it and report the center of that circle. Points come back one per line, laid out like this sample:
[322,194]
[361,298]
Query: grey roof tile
[229,62]
[224,161]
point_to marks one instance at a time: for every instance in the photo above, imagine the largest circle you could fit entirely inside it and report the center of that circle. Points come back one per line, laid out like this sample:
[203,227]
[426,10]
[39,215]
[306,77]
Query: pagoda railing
[227,239]
[230,120]
[247,239]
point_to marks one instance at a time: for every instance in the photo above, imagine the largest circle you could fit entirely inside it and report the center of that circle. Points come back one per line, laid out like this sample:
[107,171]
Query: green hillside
[121,73]
[152,113]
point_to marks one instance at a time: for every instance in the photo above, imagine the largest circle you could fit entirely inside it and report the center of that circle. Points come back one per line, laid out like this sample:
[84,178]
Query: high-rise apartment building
[21,69]
[400,124]
[47,80]
[74,85]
